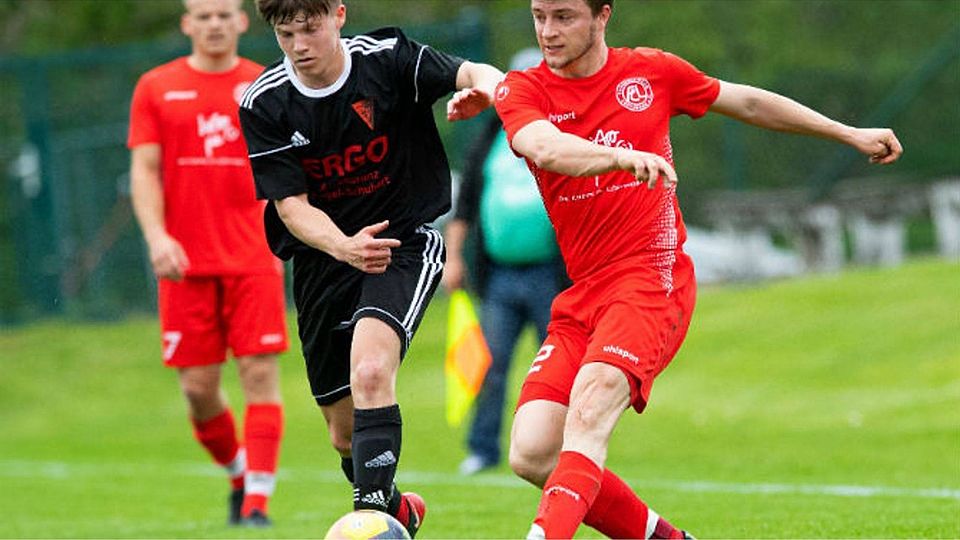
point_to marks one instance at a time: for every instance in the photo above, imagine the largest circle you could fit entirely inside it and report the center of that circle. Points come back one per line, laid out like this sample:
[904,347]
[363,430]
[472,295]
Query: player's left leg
[388,313]
[263,430]
[377,424]
[254,315]
[659,325]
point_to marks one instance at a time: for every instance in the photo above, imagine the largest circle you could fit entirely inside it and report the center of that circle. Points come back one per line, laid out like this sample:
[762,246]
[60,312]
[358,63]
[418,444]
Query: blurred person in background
[593,123]
[219,286]
[345,149]
[516,268]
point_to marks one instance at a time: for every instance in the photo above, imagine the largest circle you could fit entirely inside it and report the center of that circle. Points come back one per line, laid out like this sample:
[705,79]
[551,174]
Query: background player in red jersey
[219,285]
[593,124]
[344,145]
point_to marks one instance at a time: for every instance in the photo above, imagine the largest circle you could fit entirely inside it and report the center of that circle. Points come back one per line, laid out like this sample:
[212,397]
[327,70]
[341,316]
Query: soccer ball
[367,524]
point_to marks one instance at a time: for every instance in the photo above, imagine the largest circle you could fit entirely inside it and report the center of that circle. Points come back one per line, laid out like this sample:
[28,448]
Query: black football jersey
[363,149]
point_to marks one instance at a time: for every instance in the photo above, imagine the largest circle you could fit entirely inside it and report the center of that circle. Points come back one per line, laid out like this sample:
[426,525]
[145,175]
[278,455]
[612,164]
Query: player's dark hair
[283,11]
[597,5]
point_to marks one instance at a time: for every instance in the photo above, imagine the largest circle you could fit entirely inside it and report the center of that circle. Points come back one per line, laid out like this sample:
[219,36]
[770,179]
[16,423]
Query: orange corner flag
[468,357]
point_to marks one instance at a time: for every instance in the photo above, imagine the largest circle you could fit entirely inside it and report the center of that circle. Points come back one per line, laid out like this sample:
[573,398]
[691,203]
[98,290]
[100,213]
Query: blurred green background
[819,407]
[68,244]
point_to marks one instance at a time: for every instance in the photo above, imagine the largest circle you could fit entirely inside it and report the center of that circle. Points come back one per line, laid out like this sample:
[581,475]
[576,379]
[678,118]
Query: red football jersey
[603,219]
[209,202]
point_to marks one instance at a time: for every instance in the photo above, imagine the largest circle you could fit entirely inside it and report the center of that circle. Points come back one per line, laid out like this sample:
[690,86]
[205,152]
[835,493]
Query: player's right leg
[599,396]
[194,344]
[535,440]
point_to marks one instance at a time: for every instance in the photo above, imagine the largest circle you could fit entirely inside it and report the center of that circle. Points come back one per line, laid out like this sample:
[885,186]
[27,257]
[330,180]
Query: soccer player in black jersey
[344,147]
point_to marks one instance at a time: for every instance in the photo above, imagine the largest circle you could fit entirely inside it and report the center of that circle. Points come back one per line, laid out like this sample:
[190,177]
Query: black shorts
[332,296]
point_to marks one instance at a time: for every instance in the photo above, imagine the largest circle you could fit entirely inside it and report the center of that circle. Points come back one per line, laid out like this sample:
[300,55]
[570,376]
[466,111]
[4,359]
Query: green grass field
[825,407]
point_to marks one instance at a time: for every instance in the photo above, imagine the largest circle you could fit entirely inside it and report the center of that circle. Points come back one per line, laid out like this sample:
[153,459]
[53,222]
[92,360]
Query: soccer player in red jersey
[220,287]
[593,123]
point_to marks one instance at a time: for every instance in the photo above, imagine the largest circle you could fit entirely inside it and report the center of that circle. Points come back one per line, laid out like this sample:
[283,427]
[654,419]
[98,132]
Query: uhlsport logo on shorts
[635,94]
[623,353]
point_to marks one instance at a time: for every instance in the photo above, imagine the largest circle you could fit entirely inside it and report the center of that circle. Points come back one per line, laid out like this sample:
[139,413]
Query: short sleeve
[693,91]
[277,171]
[144,122]
[432,73]
[518,102]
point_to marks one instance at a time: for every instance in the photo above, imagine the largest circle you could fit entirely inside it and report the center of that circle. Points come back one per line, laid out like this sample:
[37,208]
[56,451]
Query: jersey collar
[327,90]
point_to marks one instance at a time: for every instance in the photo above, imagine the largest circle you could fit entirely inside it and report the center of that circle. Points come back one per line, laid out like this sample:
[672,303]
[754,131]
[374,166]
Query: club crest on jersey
[239,89]
[635,94]
[364,109]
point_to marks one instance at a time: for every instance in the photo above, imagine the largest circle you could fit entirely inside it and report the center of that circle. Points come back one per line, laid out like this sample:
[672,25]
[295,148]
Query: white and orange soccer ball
[367,525]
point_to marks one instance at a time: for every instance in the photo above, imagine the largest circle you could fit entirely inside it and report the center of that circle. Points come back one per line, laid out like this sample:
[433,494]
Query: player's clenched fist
[646,167]
[880,144]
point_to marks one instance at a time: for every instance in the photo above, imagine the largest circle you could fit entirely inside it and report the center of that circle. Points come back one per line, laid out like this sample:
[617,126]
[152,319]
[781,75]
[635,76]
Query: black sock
[376,451]
[346,465]
[393,506]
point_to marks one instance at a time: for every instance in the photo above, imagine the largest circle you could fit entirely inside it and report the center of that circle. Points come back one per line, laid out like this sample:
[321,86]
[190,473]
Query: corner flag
[468,357]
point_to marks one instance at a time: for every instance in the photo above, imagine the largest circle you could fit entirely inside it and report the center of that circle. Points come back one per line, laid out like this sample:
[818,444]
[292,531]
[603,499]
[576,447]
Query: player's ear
[605,13]
[185,24]
[340,15]
[243,21]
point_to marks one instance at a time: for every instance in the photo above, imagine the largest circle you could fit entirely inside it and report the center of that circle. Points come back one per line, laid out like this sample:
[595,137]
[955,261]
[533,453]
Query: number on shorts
[541,357]
[170,342]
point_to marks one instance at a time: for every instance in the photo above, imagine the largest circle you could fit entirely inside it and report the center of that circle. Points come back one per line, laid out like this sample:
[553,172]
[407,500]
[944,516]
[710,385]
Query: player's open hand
[367,253]
[467,103]
[647,167]
[167,257]
[879,143]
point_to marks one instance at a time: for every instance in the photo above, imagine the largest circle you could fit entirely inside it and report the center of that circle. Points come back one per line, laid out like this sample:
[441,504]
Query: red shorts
[201,317]
[622,317]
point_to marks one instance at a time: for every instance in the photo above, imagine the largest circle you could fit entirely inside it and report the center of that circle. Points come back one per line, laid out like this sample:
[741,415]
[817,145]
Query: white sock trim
[652,519]
[239,464]
[259,483]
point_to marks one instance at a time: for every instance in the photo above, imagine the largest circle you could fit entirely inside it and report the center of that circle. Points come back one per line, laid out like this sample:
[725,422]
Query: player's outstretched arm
[772,111]
[476,86]
[314,227]
[564,153]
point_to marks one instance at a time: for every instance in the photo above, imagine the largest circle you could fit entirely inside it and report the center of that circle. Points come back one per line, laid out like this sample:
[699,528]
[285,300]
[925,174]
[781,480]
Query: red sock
[263,429]
[617,512]
[219,436]
[568,494]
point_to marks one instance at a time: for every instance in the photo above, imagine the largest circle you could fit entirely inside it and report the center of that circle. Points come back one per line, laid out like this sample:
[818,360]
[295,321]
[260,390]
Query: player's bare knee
[341,442]
[370,375]
[523,466]
[199,392]
[532,462]
[597,401]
